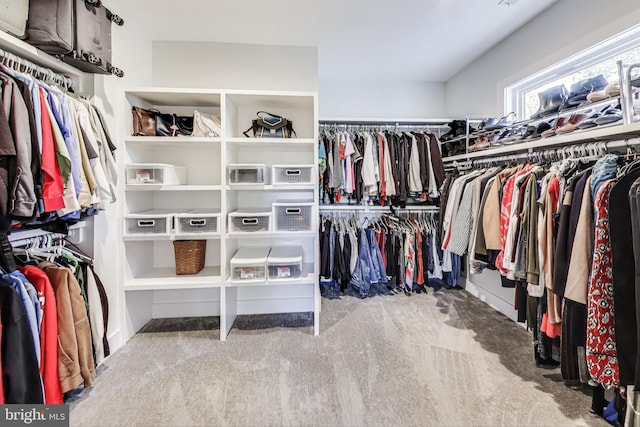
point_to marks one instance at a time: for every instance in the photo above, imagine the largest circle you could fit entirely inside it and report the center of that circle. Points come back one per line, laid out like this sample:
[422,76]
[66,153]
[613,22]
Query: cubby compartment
[155,173]
[292,215]
[292,175]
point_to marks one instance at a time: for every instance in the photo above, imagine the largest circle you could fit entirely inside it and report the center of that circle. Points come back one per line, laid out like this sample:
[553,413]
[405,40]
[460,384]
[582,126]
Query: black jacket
[20,374]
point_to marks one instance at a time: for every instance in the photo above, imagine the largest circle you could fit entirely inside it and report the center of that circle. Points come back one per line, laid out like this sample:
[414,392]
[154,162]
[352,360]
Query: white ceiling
[409,40]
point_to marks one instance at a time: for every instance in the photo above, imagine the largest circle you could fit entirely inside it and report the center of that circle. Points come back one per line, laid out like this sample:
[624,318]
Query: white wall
[566,28]
[234,66]
[381,99]
[131,53]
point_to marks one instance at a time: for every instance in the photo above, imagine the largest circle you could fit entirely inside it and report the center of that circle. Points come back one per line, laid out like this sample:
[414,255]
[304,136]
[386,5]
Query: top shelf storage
[237,109]
[178,97]
[242,108]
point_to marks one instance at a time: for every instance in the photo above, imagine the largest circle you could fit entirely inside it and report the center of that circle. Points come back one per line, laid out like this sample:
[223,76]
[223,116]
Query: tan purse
[206,125]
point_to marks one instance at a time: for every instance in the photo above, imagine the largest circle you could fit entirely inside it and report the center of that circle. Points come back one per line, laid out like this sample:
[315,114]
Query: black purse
[173,125]
[269,125]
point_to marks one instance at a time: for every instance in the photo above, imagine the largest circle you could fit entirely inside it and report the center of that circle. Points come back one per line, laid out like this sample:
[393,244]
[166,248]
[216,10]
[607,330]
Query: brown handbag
[144,122]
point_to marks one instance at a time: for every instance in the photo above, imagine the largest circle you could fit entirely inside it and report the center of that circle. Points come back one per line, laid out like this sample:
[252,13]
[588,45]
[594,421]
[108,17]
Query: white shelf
[171,141]
[603,133]
[270,234]
[308,277]
[197,236]
[166,278]
[160,187]
[269,142]
[149,238]
[269,187]
[208,159]
[30,53]
[271,99]
[186,97]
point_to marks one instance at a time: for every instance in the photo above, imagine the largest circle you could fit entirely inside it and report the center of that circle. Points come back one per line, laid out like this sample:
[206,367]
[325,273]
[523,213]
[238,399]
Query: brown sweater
[75,355]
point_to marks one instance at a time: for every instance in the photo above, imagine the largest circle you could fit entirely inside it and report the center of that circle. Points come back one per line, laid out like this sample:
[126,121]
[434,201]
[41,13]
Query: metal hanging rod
[381,209]
[430,124]
[22,65]
[578,150]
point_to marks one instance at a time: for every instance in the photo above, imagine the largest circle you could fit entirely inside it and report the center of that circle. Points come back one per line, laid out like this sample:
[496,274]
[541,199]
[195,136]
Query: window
[522,97]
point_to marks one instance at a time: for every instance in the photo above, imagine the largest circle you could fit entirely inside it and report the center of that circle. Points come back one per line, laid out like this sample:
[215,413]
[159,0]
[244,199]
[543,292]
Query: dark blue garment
[16,280]
[361,277]
[376,256]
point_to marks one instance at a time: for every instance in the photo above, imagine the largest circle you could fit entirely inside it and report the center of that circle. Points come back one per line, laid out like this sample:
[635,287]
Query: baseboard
[492,300]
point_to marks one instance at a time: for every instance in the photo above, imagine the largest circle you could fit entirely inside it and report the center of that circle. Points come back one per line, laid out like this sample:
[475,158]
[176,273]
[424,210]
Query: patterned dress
[602,360]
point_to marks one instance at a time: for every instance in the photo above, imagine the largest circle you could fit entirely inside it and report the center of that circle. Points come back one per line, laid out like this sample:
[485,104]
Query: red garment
[52,183]
[550,329]
[48,334]
[420,280]
[505,215]
[602,359]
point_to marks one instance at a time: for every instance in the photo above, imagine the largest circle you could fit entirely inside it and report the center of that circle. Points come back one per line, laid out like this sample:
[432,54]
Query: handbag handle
[262,114]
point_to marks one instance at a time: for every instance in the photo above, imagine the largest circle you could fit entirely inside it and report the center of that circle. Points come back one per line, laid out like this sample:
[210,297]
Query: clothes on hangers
[565,235]
[388,167]
[56,155]
[60,332]
[386,255]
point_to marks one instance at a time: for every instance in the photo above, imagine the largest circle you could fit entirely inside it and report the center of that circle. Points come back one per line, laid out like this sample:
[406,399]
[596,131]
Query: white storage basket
[250,220]
[154,222]
[156,173]
[249,265]
[292,175]
[292,215]
[285,263]
[197,222]
[241,174]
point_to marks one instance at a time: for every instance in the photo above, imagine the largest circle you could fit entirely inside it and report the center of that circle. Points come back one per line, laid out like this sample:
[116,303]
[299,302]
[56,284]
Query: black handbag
[173,125]
[269,125]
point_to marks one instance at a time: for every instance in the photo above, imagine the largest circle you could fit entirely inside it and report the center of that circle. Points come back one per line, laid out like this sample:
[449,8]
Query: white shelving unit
[152,287]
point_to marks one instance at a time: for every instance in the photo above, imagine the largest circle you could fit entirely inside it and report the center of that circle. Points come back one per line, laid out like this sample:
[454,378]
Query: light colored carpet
[439,359]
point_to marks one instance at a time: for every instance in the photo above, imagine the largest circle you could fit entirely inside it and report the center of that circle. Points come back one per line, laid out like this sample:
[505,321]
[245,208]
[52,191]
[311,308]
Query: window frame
[514,94]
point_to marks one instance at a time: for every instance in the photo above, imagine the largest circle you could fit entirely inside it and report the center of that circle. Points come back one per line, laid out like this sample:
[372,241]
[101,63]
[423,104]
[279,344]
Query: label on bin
[284,271]
[246,273]
[143,176]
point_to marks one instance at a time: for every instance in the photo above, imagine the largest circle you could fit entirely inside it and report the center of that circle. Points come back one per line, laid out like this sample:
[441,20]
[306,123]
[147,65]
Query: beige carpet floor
[441,359]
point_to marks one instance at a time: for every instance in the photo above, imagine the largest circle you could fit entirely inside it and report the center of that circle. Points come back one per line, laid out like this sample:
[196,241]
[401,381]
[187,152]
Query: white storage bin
[197,222]
[292,215]
[154,222]
[292,175]
[250,220]
[240,174]
[285,263]
[156,173]
[249,265]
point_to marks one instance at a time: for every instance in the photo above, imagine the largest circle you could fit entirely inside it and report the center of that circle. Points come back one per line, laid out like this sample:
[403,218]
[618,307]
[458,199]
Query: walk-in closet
[385,213]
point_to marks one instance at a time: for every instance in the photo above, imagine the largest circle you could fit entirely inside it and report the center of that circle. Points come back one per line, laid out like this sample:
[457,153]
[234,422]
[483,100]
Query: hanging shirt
[48,334]
[53,182]
[415,182]
[349,150]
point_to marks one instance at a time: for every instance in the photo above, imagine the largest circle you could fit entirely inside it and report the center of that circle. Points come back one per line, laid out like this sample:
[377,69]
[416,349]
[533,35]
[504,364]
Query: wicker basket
[189,255]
